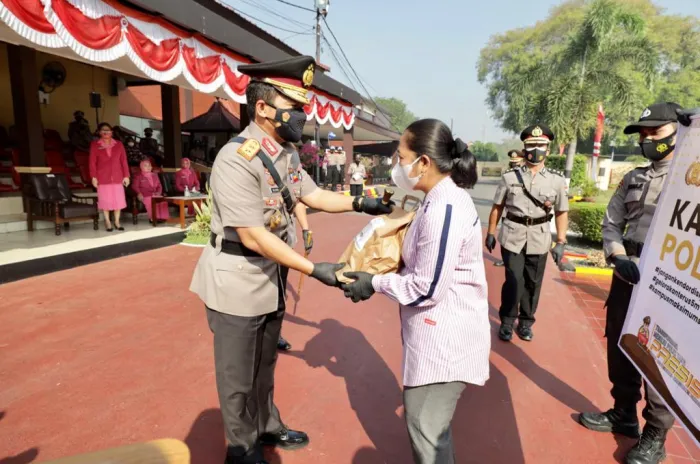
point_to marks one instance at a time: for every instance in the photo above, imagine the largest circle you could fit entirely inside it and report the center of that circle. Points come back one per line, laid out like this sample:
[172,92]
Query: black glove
[325,273]
[361,289]
[375,207]
[626,268]
[308,240]
[558,253]
[490,242]
[685,115]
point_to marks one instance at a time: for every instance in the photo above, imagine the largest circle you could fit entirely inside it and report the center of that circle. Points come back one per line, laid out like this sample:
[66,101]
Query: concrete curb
[593,271]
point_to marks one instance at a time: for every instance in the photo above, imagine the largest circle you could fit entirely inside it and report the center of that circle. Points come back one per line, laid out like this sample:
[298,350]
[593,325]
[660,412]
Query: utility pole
[451,131]
[321,9]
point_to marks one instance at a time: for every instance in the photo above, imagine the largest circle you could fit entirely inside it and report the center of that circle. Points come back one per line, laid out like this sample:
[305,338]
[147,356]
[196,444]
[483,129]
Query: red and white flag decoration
[598,137]
[106,30]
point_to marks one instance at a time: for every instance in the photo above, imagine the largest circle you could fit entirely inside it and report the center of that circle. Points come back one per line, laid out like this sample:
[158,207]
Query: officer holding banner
[625,227]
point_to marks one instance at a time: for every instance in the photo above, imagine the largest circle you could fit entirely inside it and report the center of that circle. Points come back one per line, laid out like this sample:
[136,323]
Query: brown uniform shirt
[632,207]
[245,195]
[546,185]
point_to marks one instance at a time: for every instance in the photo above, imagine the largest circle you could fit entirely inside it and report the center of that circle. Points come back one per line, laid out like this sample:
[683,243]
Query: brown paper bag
[377,248]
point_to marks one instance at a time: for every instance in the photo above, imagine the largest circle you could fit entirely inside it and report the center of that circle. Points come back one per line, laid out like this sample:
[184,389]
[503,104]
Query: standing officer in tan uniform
[625,228]
[515,159]
[529,194]
[241,274]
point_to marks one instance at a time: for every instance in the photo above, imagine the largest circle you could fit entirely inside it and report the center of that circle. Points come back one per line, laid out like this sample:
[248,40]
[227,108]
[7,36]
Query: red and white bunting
[106,30]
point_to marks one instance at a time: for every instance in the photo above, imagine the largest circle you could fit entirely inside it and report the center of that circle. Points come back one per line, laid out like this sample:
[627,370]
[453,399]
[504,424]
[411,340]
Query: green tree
[484,151]
[399,114]
[534,73]
[593,68]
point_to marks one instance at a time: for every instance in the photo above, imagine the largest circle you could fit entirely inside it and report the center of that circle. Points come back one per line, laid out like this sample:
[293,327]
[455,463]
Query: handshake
[359,290]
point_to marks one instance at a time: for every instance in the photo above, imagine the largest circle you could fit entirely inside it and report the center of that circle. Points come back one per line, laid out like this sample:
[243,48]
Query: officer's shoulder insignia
[558,173]
[249,149]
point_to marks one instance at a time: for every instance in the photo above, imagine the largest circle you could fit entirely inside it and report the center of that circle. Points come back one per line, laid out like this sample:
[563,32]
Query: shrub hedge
[587,218]
[578,173]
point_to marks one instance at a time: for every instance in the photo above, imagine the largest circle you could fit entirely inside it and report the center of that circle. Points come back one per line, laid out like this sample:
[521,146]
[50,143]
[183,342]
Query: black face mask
[535,155]
[291,121]
[656,150]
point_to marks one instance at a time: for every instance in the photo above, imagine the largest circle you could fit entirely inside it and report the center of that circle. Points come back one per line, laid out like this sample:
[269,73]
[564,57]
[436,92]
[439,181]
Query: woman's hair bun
[459,149]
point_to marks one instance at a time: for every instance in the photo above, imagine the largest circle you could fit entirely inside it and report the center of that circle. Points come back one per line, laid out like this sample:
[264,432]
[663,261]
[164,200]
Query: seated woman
[186,177]
[147,185]
[441,288]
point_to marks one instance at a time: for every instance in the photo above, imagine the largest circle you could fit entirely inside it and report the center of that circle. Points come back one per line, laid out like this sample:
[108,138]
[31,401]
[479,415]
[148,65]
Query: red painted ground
[120,352]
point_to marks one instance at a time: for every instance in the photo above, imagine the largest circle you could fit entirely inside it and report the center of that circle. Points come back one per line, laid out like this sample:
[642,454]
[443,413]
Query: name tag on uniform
[635,187]
[274,189]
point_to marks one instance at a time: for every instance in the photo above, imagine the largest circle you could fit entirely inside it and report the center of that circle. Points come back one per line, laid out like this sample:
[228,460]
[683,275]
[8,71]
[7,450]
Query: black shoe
[120,228]
[233,460]
[109,230]
[285,439]
[283,345]
[505,333]
[613,420]
[650,448]
[525,333]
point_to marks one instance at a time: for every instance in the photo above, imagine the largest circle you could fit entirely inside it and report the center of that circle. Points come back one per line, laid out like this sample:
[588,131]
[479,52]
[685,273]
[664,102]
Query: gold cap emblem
[537,132]
[308,76]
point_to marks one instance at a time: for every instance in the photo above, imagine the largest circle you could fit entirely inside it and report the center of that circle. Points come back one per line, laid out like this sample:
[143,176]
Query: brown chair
[50,199]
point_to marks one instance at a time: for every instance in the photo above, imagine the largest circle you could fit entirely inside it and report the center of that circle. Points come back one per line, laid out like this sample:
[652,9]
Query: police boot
[283,345]
[505,333]
[525,333]
[650,448]
[622,421]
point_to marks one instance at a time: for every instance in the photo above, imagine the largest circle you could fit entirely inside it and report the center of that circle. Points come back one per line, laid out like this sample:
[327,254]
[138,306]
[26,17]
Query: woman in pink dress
[147,185]
[110,174]
[187,177]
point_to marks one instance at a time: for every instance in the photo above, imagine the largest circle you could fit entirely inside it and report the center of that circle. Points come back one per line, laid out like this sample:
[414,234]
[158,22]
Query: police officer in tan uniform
[625,228]
[515,159]
[240,276]
[530,195]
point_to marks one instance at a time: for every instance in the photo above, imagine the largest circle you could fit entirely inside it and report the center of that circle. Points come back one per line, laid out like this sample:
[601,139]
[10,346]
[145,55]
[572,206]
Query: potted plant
[589,190]
[198,232]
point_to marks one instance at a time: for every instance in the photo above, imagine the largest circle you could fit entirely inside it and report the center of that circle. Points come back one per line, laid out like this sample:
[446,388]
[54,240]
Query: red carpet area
[120,352]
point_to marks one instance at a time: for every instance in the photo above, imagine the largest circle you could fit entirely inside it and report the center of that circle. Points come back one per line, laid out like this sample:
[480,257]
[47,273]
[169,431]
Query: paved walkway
[119,352]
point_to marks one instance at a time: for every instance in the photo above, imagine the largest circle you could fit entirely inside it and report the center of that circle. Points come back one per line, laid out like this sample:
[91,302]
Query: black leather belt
[527,220]
[633,248]
[233,248]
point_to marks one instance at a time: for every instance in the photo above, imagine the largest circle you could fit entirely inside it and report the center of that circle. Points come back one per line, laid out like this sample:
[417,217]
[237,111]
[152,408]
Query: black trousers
[626,380]
[335,176]
[355,189]
[522,287]
[245,355]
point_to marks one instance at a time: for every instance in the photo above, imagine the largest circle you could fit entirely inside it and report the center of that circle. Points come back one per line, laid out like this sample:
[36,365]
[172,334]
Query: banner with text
[661,334]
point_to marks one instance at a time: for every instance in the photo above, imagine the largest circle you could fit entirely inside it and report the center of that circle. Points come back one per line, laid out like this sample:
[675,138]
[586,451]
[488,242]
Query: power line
[266,23]
[274,13]
[297,6]
[353,70]
[339,62]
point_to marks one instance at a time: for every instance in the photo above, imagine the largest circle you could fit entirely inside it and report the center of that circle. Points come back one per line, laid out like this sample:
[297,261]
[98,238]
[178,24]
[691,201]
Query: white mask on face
[400,176]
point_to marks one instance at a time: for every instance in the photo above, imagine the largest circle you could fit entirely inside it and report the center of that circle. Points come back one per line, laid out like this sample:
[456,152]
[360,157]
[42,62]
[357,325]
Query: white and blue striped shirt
[442,292]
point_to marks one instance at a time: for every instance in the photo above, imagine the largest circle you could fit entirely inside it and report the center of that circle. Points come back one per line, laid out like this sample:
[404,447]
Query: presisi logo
[665,350]
[646,113]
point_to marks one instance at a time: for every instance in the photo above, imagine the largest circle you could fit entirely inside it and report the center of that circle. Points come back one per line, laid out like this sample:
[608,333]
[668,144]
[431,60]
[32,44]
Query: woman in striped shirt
[441,289]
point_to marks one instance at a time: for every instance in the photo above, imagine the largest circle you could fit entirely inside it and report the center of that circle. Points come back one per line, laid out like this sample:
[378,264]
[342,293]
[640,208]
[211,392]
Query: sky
[425,55]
